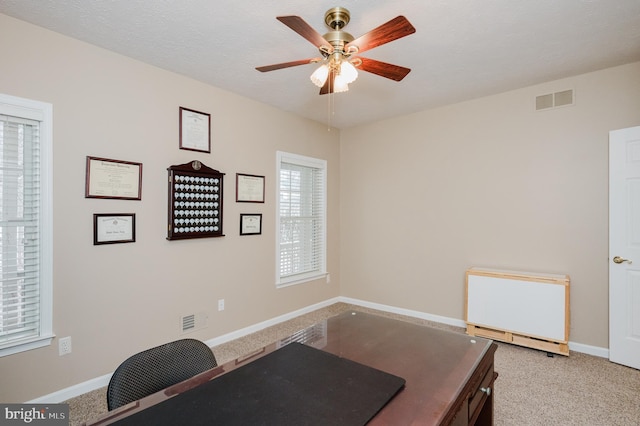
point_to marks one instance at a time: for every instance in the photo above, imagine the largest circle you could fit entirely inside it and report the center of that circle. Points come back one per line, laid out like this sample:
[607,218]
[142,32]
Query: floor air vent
[554,100]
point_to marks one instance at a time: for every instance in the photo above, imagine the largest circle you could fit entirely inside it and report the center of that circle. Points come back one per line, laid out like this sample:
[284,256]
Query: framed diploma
[250,224]
[249,188]
[114,228]
[195,130]
[117,179]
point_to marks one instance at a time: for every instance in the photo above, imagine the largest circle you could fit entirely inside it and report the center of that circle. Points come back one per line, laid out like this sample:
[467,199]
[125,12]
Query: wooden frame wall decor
[114,179]
[195,201]
[249,188]
[195,130]
[113,228]
[250,223]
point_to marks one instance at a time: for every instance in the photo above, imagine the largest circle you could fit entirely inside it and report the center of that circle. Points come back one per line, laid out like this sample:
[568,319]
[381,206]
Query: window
[301,219]
[25,225]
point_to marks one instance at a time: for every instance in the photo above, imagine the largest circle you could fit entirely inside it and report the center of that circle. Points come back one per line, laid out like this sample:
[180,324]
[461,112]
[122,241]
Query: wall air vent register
[555,100]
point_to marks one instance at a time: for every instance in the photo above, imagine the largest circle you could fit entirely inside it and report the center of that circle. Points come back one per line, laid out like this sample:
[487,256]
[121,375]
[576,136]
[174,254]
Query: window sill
[26,345]
[295,280]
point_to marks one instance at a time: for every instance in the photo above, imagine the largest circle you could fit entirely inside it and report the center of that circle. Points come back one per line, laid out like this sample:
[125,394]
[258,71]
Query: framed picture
[195,130]
[250,224]
[249,188]
[117,179]
[113,228]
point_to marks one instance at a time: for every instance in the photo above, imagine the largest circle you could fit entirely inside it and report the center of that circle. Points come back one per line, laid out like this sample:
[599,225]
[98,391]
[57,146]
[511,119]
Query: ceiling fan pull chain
[329,108]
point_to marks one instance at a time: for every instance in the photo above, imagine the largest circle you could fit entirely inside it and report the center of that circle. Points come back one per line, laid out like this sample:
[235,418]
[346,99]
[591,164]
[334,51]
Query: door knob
[618,259]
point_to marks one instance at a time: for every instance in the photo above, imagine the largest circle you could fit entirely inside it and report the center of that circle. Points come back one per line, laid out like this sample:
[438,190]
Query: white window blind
[301,246]
[25,295]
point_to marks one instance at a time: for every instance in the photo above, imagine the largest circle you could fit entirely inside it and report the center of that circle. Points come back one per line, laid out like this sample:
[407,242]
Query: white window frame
[42,112]
[321,167]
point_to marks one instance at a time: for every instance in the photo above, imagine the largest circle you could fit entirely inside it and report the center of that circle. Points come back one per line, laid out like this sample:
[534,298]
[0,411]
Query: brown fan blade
[383,69]
[299,25]
[396,28]
[287,64]
[328,85]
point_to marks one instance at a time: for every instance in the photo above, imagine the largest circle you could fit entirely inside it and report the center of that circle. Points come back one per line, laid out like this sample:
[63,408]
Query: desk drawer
[484,390]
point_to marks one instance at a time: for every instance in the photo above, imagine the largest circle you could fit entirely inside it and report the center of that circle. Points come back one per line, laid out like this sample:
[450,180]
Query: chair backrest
[157,368]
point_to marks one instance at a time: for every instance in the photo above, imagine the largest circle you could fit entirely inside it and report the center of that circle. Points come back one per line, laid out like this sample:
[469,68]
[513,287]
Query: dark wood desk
[449,376]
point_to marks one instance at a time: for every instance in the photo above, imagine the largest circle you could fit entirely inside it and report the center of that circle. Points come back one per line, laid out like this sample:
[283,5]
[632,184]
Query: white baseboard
[264,324]
[99,382]
[102,381]
[408,312]
[73,391]
[589,350]
[573,346]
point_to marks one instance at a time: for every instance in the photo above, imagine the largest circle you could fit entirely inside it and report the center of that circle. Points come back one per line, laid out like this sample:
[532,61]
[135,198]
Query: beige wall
[413,202]
[114,300]
[487,183]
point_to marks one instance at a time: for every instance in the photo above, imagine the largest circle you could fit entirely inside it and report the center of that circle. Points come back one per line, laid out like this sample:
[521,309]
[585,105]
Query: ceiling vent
[192,322]
[555,100]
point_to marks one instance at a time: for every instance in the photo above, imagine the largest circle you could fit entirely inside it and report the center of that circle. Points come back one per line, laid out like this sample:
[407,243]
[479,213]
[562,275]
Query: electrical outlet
[221,305]
[64,346]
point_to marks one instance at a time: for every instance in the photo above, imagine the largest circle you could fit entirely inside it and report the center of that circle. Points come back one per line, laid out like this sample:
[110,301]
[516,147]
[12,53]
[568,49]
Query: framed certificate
[250,224]
[195,130]
[117,179]
[249,188]
[114,228]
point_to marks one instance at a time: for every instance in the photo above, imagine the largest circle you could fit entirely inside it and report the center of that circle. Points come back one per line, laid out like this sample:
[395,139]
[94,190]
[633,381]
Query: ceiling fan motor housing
[338,39]
[337,18]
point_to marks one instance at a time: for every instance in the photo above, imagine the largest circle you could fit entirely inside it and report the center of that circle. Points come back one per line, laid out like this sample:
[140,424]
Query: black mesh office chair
[157,368]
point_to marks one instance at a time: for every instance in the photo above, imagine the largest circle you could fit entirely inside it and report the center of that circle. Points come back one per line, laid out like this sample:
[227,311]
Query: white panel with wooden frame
[523,308]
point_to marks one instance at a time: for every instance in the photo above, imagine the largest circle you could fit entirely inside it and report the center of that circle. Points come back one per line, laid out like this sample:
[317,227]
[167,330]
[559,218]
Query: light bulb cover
[340,84]
[348,72]
[319,76]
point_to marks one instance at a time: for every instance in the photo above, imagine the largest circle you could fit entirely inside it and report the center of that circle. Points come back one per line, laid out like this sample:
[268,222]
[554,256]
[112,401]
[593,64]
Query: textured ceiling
[462,49]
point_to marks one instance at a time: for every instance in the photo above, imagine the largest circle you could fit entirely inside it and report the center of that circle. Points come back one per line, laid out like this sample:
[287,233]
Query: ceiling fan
[339,50]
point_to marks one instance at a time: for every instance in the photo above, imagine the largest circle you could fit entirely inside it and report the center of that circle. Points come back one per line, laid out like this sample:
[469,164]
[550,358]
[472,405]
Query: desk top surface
[436,364]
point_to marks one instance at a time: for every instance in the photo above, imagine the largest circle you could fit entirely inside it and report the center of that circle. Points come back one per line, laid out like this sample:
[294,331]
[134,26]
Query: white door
[624,246]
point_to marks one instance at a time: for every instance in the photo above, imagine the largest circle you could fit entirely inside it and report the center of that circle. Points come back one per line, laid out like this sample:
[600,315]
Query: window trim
[42,112]
[316,163]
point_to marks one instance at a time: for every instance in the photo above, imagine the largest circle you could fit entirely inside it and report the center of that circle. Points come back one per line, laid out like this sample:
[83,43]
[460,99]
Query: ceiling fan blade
[288,64]
[328,85]
[396,28]
[299,25]
[383,69]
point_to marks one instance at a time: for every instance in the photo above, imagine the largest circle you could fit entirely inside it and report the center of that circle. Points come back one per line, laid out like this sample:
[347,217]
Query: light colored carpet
[531,390]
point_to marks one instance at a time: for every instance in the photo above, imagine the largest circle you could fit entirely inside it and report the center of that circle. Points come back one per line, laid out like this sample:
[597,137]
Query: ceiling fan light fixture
[338,50]
[348,72]
[340,84]
[319,76]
